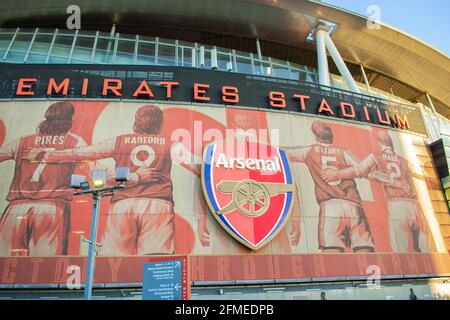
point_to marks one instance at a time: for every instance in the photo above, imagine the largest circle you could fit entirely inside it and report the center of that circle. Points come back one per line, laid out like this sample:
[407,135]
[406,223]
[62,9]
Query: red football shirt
[320,157]
[34,180]
[138,150]
[395,168]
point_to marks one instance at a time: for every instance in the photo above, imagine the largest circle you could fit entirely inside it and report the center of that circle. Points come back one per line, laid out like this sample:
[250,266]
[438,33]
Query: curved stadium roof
[393,60]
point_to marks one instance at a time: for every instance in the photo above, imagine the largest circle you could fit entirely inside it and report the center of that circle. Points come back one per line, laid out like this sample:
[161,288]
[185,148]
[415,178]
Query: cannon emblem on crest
[256,194]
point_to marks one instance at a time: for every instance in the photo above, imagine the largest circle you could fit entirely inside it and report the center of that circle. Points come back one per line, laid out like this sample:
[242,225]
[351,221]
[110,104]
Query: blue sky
[427,20]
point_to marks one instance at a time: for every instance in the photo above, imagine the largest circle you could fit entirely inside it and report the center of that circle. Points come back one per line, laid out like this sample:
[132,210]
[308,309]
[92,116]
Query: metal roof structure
[394,61]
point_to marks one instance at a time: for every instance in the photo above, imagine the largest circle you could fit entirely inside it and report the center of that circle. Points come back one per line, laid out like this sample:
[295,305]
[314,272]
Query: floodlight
[122,174]
[76,180]
[99,183]
[84,185]
[99,178]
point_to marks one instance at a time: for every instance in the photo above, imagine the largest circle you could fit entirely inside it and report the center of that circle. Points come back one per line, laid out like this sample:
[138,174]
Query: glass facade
[65,46]
[62,46]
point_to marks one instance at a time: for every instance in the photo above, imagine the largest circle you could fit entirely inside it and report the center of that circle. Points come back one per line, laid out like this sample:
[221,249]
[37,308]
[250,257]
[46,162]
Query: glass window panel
[280,71]
[36,58]
[87,33]
[15,56]
[244,65]
[125,52]
[56,60]
[207,58]
[11,30]
[66,32]
[46,31]
[127,36]
[262,67]
[78,61]
[166,55]
[104,50]
[41,44]
[145,38]
[146,53]
[104,35]
[83,49]
[279,62]
[185,56]
[22,42]
[62,46]
[26,31]
[5,39]
[222,60]
[166,41]
[186,44]
[298,75]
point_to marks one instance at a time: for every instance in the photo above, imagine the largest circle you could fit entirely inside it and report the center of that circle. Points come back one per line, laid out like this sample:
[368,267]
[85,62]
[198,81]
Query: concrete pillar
[334,53]
[322,61]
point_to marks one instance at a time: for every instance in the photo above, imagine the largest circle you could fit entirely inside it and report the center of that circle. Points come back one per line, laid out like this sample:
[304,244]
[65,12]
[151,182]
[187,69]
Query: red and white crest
[249,189]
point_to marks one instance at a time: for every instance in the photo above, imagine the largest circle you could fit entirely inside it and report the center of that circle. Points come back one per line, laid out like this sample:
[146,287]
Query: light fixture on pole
[122,174]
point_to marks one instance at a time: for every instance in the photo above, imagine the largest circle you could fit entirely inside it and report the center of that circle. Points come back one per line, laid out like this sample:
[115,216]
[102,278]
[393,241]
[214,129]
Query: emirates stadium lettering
[199,86]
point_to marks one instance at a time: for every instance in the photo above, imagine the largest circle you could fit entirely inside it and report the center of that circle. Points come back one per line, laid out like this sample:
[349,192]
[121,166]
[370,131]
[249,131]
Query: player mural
[37,219]
[140,219]
[342,220]
[358,191]
[406,222]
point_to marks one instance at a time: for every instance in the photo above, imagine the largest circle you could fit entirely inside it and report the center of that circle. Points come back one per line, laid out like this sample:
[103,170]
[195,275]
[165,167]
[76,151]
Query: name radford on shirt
[145,140]
[272,164]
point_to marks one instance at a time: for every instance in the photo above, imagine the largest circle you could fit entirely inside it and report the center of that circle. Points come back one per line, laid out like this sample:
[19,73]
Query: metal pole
[366,81]
[258,52]
[92,247]
[430,102]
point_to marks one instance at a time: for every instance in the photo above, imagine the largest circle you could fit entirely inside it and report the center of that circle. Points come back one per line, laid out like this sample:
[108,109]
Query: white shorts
[38,228]
[139,226]
[406,226]
[343,224]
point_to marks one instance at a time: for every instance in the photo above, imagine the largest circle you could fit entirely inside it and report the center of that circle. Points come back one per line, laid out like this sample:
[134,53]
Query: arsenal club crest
[248,187]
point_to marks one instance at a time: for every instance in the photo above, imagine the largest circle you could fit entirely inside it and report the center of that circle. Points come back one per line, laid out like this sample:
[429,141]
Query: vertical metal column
[72,48]
[31,45]
[176,52]
[322,61]
[363,72]
[92,247]
[116,45]
[156,50]
[430,102]
[94,47]
[258,52]
[234,60]
[110,40]
[55,34]
[136,48]
[10,44]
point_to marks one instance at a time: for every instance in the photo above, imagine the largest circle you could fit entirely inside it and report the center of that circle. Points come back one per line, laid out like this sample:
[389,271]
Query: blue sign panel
[163,280]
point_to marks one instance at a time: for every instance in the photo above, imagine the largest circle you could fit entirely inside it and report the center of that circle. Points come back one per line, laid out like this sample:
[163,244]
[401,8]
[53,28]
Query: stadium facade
[356,113]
